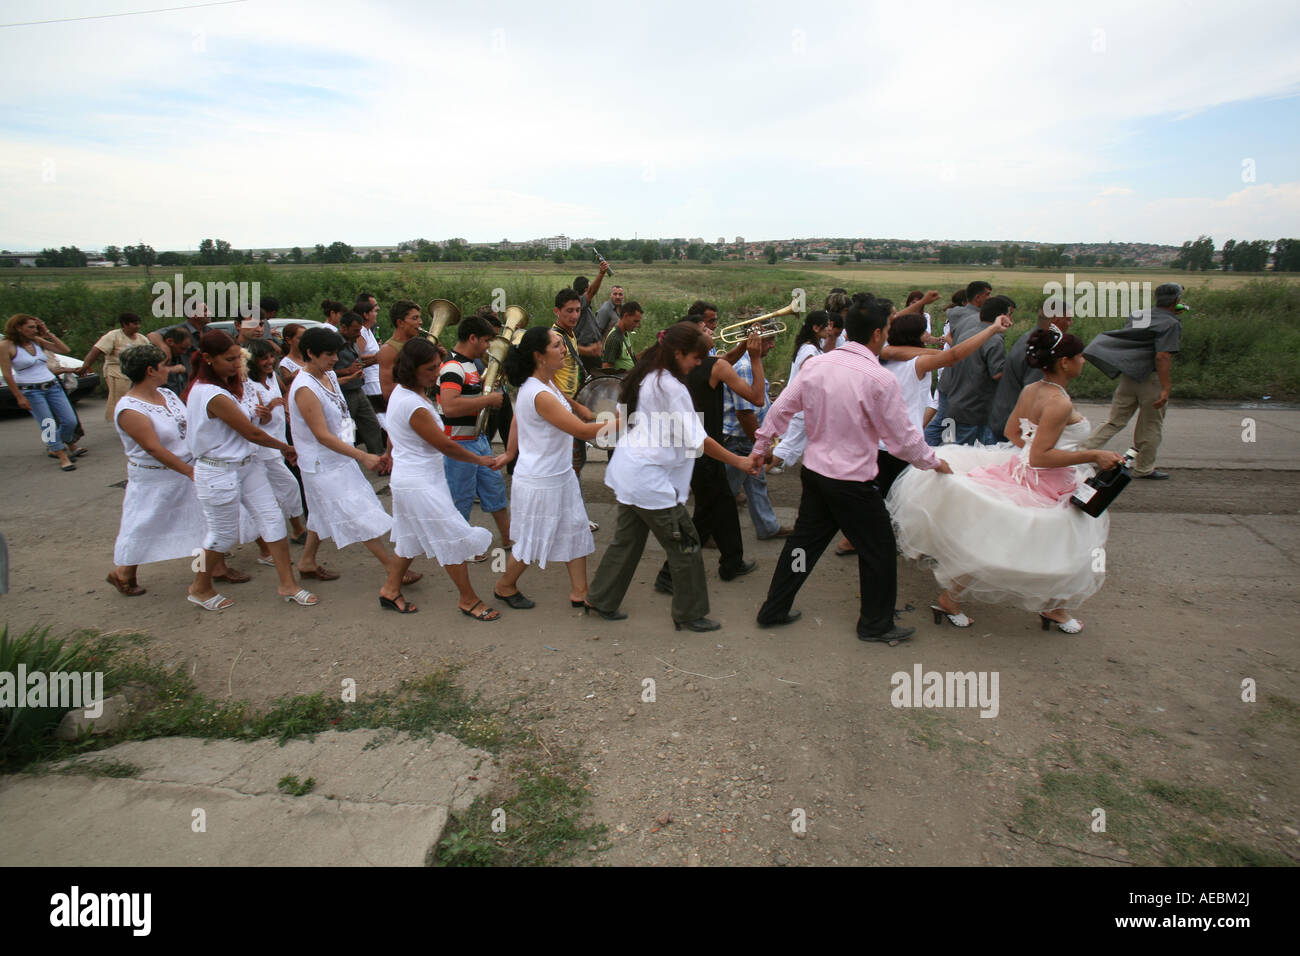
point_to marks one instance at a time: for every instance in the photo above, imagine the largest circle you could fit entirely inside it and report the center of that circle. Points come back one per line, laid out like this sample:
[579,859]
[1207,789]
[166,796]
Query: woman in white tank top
[34,387]
[425,520]
[162,519]
[266,407]
[225,476]
[548,520]
[340,502]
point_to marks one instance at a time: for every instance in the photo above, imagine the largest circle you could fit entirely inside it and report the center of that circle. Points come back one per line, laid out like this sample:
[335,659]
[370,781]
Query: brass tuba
[513,324]
[442,313]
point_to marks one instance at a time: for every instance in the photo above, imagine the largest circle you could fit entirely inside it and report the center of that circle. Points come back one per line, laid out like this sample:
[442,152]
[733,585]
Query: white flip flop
[267,561]
[214,603]
[303,597]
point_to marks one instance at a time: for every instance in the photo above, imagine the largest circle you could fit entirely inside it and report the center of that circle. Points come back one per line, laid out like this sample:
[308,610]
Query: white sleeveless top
[544,450]
[257,394]
[169,424]
[409,449]
[30,369]
[916,391]
[312,455]
[289,365]
[806,351]
[211,437]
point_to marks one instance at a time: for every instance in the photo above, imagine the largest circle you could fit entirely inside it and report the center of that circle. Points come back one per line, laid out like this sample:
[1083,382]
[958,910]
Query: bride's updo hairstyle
[1048,346]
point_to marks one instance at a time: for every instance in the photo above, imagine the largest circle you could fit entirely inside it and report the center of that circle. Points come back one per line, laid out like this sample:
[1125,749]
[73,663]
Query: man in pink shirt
[850,405]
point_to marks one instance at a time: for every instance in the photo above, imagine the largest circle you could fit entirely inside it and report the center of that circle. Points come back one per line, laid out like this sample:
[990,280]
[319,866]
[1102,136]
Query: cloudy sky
[286,122]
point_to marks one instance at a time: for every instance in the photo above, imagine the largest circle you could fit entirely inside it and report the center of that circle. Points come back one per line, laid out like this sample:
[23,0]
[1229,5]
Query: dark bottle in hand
[1094,496]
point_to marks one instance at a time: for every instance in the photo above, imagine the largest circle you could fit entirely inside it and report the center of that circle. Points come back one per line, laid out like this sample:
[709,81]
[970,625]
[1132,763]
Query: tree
[171,259]
[1195,256]
[1246,256]
[1286,255]
[558,257]
[113,254]
[841,260]
[68,257]
[648,252]
[295,254]
[375,256]
[1229,248]
[1010,255]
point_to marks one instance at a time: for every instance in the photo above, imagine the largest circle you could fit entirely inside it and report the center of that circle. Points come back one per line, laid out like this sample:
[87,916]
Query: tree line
[1198,255]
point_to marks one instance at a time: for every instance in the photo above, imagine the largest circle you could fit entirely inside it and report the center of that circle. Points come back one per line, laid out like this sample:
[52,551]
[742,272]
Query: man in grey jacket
[1141,356]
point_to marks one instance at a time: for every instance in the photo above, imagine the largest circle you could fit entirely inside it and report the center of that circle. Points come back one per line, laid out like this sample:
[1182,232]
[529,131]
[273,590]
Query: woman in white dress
[1001,528]
[266,405]
[161,516]
[221,439]
[548,519]
[810,341]
[425,520]
[341,503]
[651,479]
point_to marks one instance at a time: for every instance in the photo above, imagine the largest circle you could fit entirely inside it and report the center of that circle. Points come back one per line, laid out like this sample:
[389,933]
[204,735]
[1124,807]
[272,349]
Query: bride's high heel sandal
[956,620]
[1072,626]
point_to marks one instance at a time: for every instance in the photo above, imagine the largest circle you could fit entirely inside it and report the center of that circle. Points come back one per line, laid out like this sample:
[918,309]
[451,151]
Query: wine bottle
[1095,495]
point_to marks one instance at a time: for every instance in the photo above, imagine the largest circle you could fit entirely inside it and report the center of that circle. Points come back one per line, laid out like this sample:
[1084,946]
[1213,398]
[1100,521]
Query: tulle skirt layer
[997,531]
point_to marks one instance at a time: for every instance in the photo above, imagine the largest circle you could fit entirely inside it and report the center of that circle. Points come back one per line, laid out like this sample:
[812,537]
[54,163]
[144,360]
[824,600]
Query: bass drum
[600,394]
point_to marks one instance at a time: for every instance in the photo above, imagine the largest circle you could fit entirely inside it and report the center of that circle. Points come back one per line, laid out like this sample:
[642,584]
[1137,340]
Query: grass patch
[536,824]
[1157,822]
[291,785]
[1274,712]
[100,768]
[543,796]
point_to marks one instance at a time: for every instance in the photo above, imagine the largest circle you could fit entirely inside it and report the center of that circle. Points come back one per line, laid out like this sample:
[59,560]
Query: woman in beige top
[110,346]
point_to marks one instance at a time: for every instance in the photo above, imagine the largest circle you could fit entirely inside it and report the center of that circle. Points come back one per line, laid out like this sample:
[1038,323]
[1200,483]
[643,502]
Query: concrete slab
[379,800]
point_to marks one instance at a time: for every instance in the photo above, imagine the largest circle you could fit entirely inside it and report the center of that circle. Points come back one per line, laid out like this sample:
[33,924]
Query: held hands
[496,464]
[290,455]
[263,412]
[371,462]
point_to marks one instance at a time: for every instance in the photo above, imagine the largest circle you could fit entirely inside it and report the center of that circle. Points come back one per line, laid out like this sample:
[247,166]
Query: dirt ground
[752,731]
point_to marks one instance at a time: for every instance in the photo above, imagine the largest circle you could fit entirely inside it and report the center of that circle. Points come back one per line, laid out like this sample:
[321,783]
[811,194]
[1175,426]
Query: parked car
[74,386]
[277,325]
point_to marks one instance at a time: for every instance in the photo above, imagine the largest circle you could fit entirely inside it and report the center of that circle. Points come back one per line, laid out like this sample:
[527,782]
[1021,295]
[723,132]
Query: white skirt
[976,537]
[342,505]
[793,443]
[548,519]
[425,521]
[161,518]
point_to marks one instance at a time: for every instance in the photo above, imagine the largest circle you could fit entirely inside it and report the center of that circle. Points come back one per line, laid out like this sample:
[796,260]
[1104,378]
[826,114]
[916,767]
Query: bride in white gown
[1001,528]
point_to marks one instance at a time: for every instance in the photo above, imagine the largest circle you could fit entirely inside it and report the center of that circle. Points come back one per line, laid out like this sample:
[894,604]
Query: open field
[1241,339]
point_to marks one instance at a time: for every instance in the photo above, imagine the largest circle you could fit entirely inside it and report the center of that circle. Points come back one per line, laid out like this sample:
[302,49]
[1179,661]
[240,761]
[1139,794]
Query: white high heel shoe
[1072,626]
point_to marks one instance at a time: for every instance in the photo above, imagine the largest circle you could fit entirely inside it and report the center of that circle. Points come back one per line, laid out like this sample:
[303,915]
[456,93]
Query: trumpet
[513,324]
[442,313]
[765,325]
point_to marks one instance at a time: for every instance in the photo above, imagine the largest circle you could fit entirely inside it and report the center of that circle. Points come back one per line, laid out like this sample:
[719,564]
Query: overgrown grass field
[1241,340]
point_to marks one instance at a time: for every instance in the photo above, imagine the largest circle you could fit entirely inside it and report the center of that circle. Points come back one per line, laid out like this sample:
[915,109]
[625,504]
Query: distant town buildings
[558,242]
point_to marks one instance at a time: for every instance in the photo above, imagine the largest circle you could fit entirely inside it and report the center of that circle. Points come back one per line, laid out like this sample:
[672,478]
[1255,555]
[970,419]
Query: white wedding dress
[998,530]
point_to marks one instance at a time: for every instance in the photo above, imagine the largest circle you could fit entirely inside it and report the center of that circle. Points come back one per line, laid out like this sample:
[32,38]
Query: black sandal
[482,615]
[391,604]
[516,600]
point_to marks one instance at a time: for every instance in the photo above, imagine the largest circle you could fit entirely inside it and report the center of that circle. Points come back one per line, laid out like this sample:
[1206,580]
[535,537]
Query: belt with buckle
[225,462]
[39,388]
